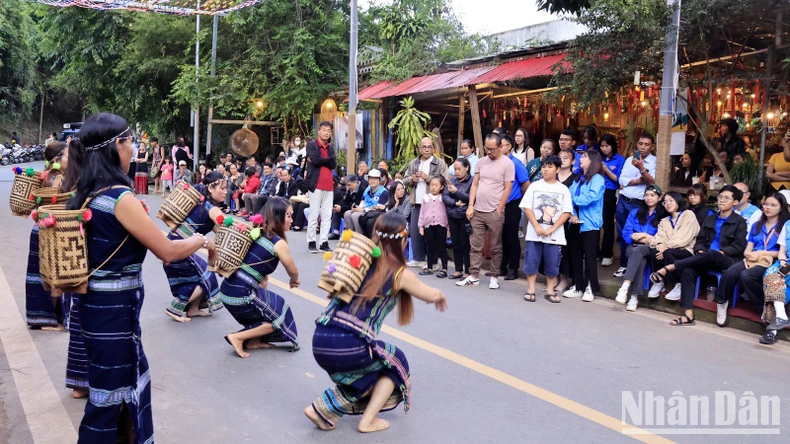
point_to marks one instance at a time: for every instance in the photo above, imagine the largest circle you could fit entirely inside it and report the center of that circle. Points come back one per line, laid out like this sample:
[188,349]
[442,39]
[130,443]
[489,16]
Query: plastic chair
[647,276]
[717,275]
[342,224]
[410,254]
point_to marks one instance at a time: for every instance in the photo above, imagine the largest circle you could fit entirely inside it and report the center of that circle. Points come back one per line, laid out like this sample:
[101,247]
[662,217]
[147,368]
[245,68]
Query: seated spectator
[374,198]
[547,206]
[778,172]
[697,195]
[234,186]
[745,208]
[254,202]
[675,239]
[776,287]
[714,176]
[684,175]
[456,200]
[398,202]
[295,190]
[720,243]
[638,233]
[182,173]
[347,196]
[433,226]
[762,249]
[250,186]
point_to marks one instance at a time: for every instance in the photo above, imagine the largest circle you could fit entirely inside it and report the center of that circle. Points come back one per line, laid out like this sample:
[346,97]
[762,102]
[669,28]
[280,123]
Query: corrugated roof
[534,67]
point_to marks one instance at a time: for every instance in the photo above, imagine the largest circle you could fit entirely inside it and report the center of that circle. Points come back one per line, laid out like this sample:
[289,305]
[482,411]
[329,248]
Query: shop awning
[522,69]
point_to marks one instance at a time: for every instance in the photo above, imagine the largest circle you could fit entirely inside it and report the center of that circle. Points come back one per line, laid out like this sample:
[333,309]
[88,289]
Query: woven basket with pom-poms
[347,265]
[26,181]
[233,242]
[181,201]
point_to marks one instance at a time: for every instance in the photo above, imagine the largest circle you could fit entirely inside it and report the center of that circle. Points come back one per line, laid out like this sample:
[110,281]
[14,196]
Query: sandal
[683,321]
[657,277]
[457,276]
[553,298]
[425,272]
[529,297]
[442,274]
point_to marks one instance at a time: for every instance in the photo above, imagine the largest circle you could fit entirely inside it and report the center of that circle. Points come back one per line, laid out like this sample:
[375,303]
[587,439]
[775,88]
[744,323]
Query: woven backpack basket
[232,247]
[21,199]
[346,269]
[62,248]
[179,204]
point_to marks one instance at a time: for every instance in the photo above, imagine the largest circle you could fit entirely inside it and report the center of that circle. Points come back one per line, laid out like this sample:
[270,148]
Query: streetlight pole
[351,147]
[196,114]
[668,97]
[213,74]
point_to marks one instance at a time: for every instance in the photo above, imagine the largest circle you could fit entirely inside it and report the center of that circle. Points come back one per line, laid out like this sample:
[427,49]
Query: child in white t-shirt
[547,206]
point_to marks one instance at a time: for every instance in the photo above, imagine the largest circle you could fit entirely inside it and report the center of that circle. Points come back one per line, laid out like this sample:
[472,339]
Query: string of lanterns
[175,7]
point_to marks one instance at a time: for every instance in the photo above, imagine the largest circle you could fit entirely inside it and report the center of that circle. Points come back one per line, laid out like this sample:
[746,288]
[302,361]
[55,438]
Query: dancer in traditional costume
[371,375]
[265,315]
[193,286]
[42,310]
[118,235]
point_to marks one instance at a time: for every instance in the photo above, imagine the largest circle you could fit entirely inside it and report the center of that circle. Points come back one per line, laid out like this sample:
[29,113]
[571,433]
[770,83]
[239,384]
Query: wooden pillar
[475,110]
[461,115]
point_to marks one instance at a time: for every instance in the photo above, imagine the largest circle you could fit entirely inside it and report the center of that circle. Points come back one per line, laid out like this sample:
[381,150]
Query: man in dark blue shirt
[511,246]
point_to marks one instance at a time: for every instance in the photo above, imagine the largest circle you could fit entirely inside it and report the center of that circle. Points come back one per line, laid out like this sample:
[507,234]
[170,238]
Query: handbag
[763,261]
[154,172]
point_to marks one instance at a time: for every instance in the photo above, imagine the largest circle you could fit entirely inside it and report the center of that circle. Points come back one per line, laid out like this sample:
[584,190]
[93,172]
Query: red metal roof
[534,67]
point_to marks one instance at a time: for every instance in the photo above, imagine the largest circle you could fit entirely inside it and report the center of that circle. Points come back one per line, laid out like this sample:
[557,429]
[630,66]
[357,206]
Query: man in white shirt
[638,172]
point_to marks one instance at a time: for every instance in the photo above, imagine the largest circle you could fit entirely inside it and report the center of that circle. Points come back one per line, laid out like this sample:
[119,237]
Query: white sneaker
[606,262]
[415,264]
[632,303]
[520,234]
[673,295]
[622,295]
[588,295]
[655,290]
[721,314]
[493,284]
[572,293]
[469,281]
[620,272]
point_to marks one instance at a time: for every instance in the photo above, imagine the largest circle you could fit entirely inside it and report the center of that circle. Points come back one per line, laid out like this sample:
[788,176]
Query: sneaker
[520,234]
[721,314]
[622,295]
[511,276]
[588,295]
[415,264]
[673,295]
[311,248]
[606,262]
[493,284]
[469,281]
[632,303]
[655,290]
[779,324]
[325,247]
[768,338]
[620,272]
[572,293]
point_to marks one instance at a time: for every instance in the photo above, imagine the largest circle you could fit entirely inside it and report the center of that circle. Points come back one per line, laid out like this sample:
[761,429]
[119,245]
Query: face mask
[298,142]
[181,143]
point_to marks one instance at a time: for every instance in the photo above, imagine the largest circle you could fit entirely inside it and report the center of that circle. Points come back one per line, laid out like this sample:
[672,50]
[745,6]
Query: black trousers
[609,207]
[336,218]
[436,244]
[750,281]
[132,170]
[571,238]
[461,246]
[691,268]
[584,265]
[368,221]
[671,256]
[511,247]
[300,220]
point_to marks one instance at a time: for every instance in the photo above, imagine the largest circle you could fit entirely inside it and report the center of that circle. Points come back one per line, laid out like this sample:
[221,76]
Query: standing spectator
[511,245]
[158,153]
[587,194]
[567,177]
[547,148]
[418,173]
[490,191]
[374,198]
[320,185]
[182,173]
[521,148]
[730,142]
[468,153]
[433,225]
[638,172]
[15,139]
[384,166]
[167,176]
[52,138]
[720,243]
[457,200]
[613,166]
[180,152]
[590,139]
[141,172]
[567,140]
[547,205]
[250,187]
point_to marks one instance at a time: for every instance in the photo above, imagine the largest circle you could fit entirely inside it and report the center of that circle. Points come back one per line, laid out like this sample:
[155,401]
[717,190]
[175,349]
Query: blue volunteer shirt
[715,246]
[765,240]
[587,197]
[373,198]
[522,177]
[579,151]
[615,165]
[632,226]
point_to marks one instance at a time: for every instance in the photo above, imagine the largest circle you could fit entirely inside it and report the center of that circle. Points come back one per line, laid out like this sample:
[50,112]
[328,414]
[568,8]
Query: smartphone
[637,155]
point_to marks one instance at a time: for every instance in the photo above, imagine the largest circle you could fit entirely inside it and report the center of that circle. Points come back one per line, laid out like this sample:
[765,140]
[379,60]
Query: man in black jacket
[720,243]
[346,197]
[320,184]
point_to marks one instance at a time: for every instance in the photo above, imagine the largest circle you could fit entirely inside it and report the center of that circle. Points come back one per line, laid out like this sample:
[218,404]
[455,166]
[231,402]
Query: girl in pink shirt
[433,225]
[167,175]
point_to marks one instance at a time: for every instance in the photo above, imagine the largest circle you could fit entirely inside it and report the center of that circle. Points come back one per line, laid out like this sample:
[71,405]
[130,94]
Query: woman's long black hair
[596,166]
[99,168]
[208,179]
[611,141]
[393,188]
[274,216]
[641,213]
[784,216]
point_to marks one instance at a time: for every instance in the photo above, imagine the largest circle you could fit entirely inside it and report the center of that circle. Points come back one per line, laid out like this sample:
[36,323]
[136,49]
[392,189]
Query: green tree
[18,56]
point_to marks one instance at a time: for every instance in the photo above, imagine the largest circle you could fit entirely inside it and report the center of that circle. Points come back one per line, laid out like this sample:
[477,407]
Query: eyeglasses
[668,202]
[724,198]
[290,214]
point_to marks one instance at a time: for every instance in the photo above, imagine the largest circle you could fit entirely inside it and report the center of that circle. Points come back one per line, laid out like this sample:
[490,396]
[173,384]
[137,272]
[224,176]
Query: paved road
[493,368]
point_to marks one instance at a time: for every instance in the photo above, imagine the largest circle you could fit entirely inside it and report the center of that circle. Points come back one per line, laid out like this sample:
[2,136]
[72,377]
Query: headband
[383,235]
[107,142]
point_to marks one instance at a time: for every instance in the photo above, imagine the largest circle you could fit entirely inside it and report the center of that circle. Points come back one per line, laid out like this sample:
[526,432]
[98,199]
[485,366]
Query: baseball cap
[374,173]
[182,162]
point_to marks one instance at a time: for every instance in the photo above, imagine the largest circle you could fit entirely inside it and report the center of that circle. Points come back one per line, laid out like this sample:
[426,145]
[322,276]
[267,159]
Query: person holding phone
[638,172]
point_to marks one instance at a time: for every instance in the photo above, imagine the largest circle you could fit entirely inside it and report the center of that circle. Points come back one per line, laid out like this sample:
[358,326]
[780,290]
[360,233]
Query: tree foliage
[18,76]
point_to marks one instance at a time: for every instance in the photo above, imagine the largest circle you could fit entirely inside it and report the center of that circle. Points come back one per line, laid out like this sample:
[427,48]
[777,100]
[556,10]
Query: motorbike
[38,152]
[5,155]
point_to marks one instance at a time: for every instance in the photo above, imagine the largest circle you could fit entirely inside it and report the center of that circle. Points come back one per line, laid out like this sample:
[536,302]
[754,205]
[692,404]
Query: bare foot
[238,345]
[58,327]
[197,313]
[253,344]
[181,319]
[79,393]
[376,425]
[317,420]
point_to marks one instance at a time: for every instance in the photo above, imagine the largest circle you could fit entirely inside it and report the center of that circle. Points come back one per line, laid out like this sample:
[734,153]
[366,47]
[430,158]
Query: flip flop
[553,298]
[529,297]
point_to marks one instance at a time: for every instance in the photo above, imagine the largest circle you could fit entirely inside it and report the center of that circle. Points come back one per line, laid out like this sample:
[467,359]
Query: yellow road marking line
[531,389]
[44,412]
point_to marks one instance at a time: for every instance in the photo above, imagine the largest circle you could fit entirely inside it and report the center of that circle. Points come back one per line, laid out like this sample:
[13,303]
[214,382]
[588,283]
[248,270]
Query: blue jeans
[620,218]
